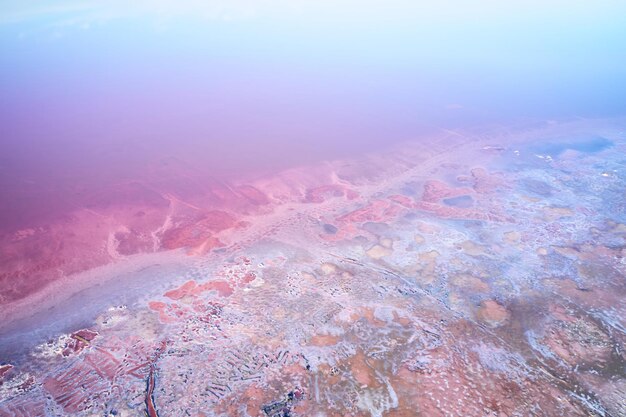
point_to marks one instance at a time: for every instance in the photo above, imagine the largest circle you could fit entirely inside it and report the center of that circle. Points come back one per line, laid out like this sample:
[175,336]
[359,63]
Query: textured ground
[479,273]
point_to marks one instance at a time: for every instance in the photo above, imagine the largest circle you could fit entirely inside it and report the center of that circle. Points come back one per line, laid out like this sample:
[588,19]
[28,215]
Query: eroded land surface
[480,273]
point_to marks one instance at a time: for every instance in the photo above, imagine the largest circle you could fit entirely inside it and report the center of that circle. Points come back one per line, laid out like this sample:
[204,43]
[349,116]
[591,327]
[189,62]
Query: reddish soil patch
[435,190]
[323,192]
[199,230]
[191,288]
[4,369]
[78,341]
[253,195]
[492,313]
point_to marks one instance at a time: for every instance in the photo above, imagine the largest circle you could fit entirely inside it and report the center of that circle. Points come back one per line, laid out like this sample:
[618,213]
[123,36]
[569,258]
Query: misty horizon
[273,208]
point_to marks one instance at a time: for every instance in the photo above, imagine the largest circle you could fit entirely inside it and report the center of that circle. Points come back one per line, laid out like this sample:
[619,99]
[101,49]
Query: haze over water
[312,208]
[96,91]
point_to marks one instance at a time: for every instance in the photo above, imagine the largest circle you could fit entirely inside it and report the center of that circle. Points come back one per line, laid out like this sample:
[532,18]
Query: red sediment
[133,241]
[209,312]
[484,182]
[252,194]
[78,341]
[321,193]
[135,353]
[191,288]
[223,288]
[85,334]
[435,190]
[83,384]
[30,263]
[217,220]
[157,305]
[201,306]
[181,237]
[377,210]
[26,385]
[163,309]
[212,243]
[72,388]
[30,405]
[351,194]
[103,363]
[198,231]
[403,200]
[32,258]
[180,292]
[172,312]
[459,213]
[4,369]
[248,278]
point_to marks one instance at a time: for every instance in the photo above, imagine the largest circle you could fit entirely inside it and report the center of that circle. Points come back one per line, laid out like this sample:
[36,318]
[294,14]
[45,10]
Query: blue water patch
[462,201]
[555,147]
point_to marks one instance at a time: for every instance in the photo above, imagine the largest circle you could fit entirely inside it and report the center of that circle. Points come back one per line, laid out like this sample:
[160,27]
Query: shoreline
[62,290]
[56,293]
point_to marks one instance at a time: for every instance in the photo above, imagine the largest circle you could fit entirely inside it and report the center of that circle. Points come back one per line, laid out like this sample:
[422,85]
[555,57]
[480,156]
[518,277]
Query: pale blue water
[555,147]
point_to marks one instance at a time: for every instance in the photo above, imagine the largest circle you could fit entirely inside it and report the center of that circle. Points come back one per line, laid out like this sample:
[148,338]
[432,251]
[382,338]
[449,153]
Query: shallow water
[555,147]
[463,201]
[115,287]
